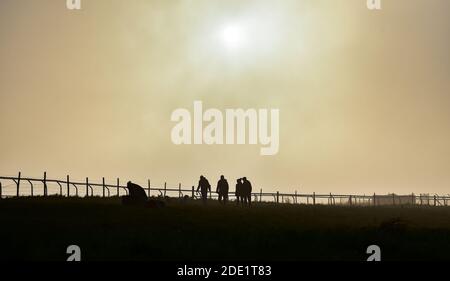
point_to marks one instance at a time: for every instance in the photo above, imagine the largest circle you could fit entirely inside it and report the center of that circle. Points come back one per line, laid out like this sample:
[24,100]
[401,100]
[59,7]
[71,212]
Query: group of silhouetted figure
[243,190]
[137,196]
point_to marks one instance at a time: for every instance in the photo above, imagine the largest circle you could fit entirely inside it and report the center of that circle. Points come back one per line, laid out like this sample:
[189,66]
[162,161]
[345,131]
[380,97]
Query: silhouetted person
[136,195]
[222,189]
[247,191]
[204,186]
[238,192]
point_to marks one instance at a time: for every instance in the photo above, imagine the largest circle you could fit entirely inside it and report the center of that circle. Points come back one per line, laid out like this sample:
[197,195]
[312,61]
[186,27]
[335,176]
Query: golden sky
[364,96]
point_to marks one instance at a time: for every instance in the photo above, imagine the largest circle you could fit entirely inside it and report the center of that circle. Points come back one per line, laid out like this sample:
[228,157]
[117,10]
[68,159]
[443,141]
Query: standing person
[243,193]
[222,189]
[238,191]
[248,191]
[204,186]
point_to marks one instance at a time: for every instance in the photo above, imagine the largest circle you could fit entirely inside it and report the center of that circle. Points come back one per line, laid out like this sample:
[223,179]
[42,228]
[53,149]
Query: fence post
[165,188]
[32,188]
[278,197]
[420,198]
[413,199]
[179,190]
[1,190]
[60,188]
[149,188]
[435,200]
[118,184]
[103,181]
[45,184]
[18,184]
[87,187]
[68,186]
[393,198]
[193,192]
[374,199]
[350,200]
[260,195]
[295,197]
[314,198]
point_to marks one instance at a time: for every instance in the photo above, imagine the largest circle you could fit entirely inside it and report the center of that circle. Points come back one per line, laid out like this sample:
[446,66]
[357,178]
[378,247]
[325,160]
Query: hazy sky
[364,96]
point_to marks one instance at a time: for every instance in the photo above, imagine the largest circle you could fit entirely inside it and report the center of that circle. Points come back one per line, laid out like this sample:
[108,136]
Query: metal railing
[29,187]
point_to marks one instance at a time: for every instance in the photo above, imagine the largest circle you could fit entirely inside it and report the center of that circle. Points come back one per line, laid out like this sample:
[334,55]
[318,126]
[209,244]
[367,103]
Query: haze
[363,95]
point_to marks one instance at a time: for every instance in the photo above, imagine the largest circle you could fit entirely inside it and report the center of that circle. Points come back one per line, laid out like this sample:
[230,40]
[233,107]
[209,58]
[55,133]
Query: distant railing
[87,188]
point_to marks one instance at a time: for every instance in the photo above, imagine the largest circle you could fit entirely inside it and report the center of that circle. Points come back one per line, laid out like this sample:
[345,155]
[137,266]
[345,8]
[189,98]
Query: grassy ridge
[42,228]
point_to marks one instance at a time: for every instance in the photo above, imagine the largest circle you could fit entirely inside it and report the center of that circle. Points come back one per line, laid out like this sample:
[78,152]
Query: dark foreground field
[41,229]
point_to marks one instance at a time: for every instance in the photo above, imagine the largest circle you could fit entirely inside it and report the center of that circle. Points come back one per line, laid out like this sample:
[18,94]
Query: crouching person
[136,195]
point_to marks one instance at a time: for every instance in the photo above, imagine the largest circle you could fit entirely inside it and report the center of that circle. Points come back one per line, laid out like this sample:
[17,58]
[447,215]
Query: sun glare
[233,36]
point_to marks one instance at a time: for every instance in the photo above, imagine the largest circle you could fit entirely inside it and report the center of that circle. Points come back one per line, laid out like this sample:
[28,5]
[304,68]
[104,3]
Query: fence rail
[87,188]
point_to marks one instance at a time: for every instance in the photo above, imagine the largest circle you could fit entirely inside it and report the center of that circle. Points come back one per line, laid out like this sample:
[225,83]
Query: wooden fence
[28,187]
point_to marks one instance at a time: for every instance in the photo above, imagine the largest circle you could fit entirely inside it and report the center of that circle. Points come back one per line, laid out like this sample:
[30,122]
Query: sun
[233,36]
[243,40]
